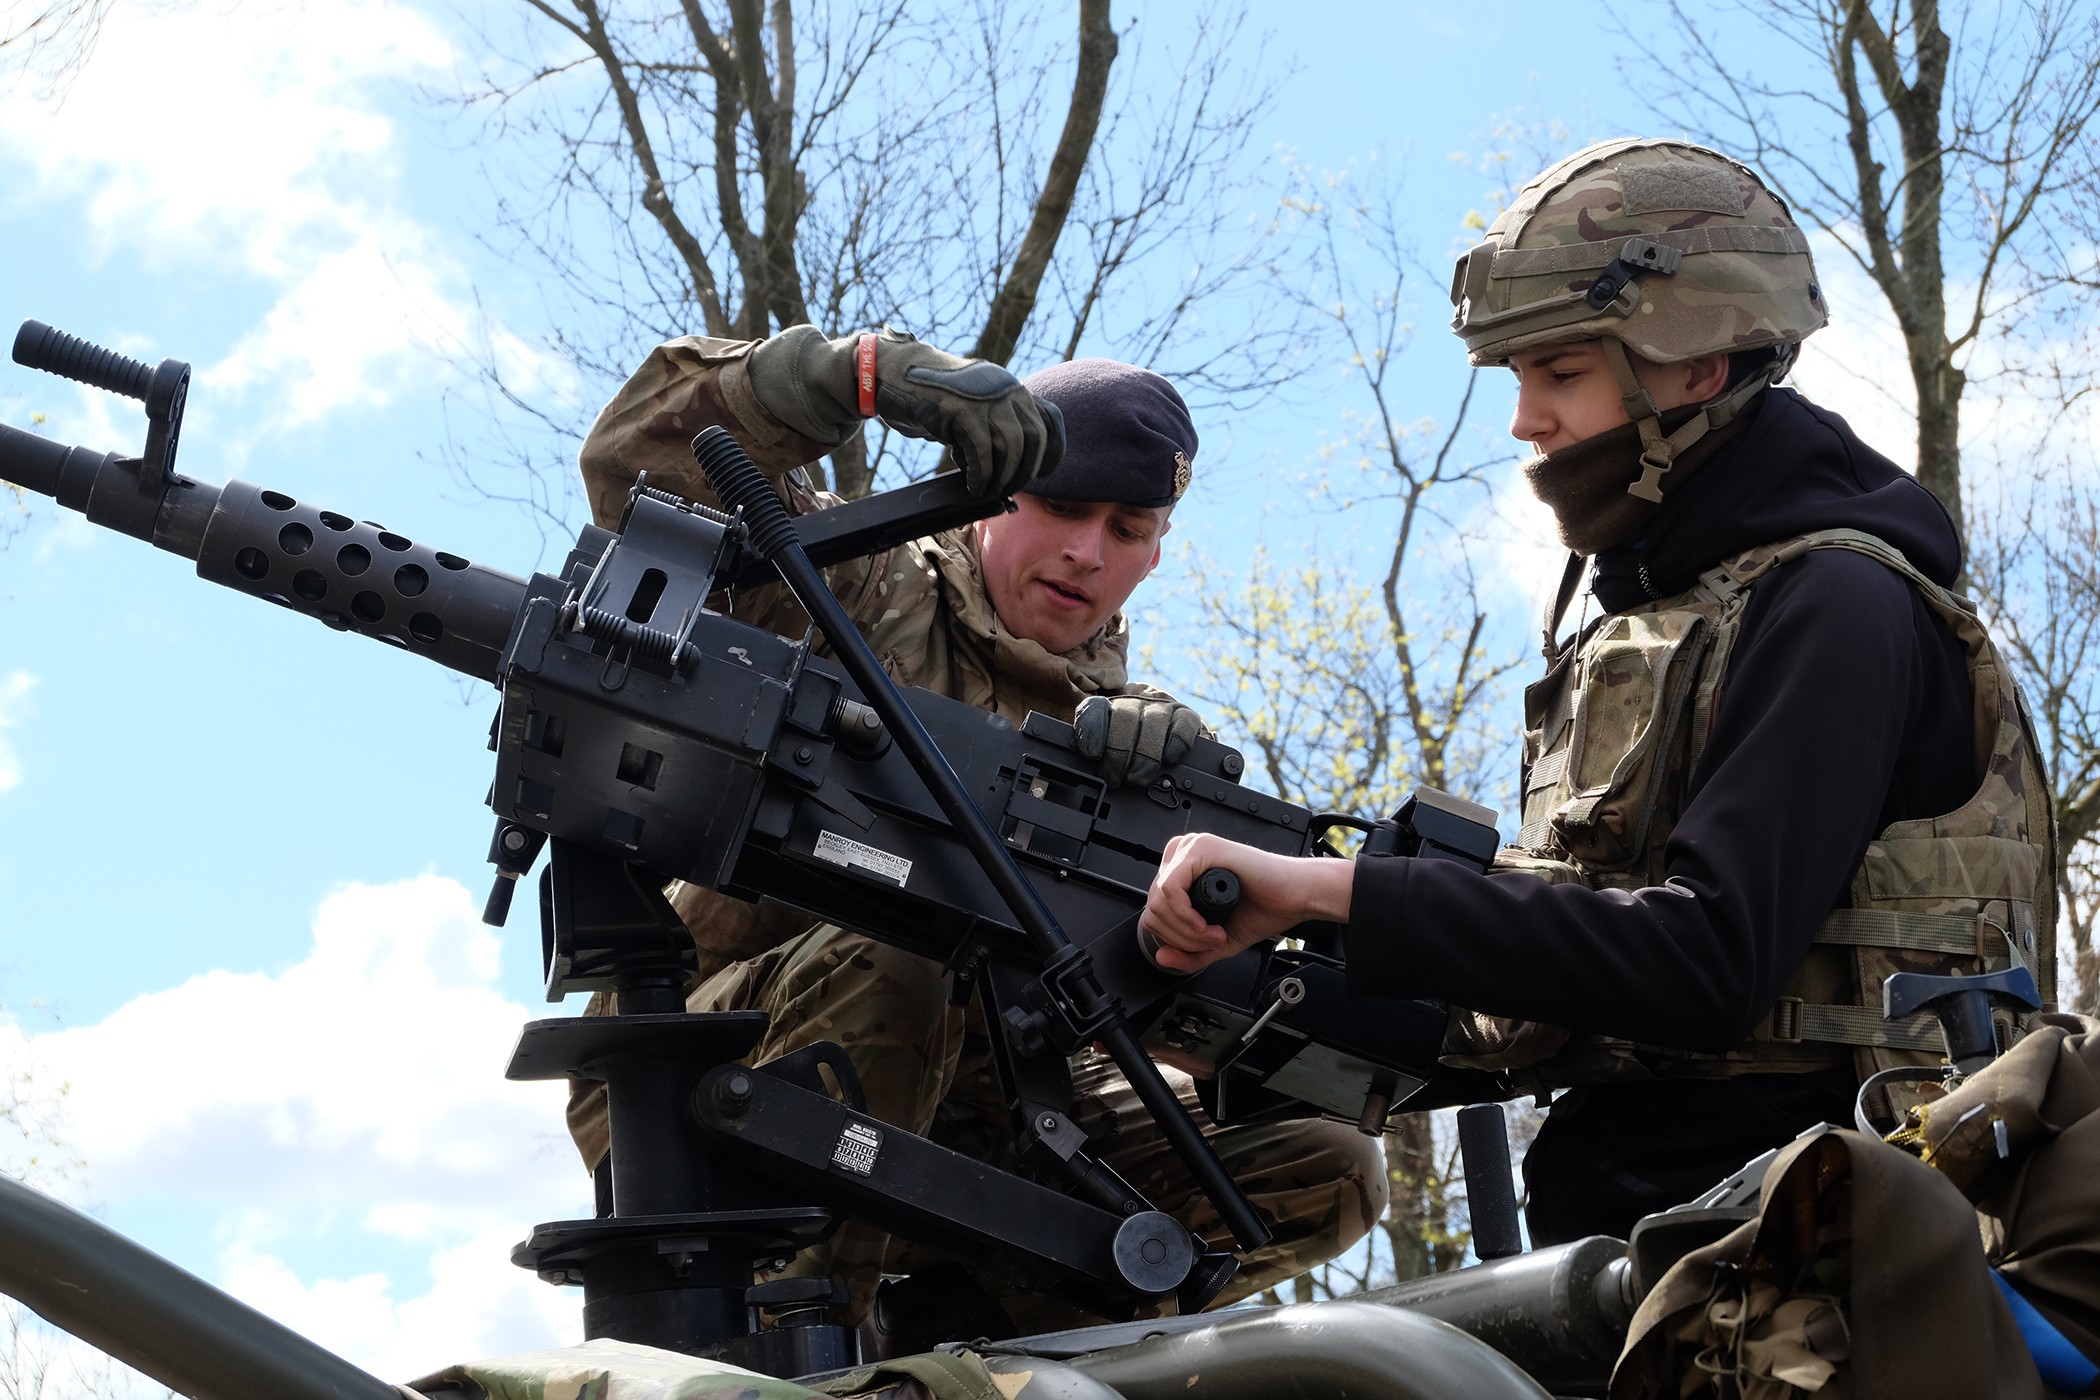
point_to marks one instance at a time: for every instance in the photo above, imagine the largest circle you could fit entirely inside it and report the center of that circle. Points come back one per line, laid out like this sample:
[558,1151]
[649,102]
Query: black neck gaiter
[1584,485]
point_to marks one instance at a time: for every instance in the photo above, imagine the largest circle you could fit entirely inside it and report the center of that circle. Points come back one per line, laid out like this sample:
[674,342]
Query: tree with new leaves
[1953,155]
[968,173]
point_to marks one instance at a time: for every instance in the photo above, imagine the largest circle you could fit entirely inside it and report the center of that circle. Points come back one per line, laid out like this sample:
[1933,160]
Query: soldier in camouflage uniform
[1017,613]
[1783,763]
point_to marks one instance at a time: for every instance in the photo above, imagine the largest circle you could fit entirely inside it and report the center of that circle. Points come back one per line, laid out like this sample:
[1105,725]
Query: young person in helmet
[1784,761]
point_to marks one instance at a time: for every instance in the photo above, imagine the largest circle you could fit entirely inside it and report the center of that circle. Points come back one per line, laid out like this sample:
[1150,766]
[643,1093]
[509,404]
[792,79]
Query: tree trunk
[1939,384]
[1418,1221]
[1906,261]
[851,476]
[1015,301]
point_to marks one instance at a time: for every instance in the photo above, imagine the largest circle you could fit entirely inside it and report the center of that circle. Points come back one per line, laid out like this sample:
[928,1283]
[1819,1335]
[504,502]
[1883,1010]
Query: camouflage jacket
[922,606]
[1613,735]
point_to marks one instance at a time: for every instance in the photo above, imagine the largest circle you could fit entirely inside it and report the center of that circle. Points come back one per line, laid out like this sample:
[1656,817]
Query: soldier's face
[1057,571]
[1567,393]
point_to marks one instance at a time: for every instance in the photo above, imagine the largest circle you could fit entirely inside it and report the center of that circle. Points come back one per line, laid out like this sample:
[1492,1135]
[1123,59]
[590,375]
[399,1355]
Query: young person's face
[1567,393]
[1057,571]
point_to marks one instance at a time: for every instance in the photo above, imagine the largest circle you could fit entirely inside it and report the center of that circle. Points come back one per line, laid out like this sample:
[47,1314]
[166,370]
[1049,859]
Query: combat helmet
[1662,248]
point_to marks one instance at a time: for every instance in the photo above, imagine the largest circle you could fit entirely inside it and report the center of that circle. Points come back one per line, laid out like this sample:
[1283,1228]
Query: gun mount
[643,734]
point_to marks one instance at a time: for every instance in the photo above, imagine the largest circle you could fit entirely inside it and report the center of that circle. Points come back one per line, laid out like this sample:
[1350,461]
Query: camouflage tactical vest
[1613,734]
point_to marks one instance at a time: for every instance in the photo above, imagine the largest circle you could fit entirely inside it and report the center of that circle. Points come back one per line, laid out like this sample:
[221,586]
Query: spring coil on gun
[647,643]
[672,498]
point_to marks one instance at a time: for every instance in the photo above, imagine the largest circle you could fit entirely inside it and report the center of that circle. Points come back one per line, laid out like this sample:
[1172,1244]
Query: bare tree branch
[1010,309]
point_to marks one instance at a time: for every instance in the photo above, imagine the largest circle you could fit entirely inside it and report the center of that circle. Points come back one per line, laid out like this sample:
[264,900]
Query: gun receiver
[643,735]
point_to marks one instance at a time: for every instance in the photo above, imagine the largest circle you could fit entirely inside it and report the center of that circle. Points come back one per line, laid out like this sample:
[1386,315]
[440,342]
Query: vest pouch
[1961,904]
[1629,712]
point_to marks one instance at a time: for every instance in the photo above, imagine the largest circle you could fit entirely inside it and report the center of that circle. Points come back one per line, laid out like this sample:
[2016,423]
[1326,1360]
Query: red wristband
[864,373]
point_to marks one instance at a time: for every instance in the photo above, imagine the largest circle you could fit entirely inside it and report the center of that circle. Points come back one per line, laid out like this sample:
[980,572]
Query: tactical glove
[1134,736]
[1002,435]
[1476,1041]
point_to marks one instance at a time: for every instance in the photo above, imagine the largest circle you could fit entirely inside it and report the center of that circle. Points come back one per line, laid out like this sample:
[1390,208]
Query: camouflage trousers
[926,1067]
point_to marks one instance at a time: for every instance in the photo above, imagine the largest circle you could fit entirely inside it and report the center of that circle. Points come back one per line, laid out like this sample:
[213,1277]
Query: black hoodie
[1847,706]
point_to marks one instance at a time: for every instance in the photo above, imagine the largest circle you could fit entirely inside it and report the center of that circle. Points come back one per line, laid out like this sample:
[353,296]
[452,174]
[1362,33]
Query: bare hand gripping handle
[740,485]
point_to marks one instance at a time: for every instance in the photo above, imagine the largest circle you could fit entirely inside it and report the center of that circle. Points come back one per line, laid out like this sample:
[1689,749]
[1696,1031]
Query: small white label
[857,1148]
[855,855]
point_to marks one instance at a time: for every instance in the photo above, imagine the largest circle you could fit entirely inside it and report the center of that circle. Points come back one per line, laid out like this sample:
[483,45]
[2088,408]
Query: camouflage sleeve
[685,385]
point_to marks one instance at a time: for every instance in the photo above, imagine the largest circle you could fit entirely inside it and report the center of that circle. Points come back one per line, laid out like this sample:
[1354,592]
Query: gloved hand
[1476,1041]
[1003,436]
[1134,736]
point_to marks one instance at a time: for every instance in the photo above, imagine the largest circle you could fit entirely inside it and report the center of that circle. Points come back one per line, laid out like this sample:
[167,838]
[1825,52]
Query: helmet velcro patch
[1652,189]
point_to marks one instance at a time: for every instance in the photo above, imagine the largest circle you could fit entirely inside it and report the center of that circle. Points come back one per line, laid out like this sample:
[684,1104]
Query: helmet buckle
[1636,256]
[1649,486]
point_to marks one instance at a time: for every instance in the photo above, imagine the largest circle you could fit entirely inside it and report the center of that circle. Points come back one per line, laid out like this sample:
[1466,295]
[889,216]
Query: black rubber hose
[739,483]
[123,1298]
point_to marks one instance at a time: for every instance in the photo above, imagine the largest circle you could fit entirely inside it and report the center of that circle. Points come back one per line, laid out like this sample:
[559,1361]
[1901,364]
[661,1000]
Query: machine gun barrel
[352,575]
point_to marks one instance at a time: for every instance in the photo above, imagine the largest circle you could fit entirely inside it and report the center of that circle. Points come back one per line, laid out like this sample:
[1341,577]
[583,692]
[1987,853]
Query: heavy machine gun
[644,734]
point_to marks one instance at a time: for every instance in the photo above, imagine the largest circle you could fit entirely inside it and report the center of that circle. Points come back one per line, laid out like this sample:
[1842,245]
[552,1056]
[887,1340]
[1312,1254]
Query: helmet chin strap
[1659,451]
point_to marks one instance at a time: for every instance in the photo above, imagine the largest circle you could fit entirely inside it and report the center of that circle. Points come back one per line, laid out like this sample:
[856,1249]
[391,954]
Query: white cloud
[252,141]
[229,135]
[478,1305]
[1528,553]
[14,702]
[1857,365]
[352,1103]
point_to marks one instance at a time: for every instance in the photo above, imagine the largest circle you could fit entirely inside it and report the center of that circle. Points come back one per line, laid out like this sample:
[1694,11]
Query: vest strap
[1794,1020]
[1548,770]
[1924,933]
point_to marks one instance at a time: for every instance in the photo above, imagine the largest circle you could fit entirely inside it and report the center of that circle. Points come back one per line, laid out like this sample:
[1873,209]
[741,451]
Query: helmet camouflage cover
[1671,249]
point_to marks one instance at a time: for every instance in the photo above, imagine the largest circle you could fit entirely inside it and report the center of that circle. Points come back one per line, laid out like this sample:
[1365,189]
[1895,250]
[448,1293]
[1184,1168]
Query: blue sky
[240,856]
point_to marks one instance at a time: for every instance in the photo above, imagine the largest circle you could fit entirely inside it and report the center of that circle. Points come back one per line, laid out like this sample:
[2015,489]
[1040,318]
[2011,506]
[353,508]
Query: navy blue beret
[1128,438]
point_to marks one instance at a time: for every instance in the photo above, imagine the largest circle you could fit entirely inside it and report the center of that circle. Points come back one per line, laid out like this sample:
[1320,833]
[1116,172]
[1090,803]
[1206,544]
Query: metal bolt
[513,840]
[733,1095]
[1048,1123]
[803,755]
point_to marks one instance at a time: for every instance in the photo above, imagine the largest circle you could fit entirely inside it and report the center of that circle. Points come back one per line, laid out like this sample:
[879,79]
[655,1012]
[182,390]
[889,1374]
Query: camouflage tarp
[611,1370]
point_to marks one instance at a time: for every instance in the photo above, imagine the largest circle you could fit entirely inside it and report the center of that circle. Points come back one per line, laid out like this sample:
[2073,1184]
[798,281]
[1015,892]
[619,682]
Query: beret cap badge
[1183,472]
